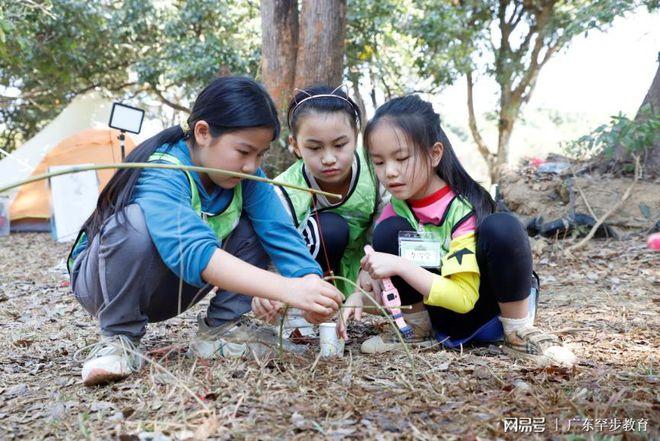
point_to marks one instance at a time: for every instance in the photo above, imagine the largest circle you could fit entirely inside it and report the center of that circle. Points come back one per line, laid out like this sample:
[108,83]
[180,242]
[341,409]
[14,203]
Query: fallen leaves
[603,302]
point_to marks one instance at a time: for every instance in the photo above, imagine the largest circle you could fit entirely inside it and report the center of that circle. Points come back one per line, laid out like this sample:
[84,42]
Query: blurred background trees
[162,53]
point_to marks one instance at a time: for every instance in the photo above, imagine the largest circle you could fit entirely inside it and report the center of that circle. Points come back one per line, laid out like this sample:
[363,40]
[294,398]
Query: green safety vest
[358,209]
[221,223]
[457,211]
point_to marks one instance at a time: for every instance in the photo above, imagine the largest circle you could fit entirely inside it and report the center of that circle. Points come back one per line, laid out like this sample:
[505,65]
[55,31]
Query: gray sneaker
[237,338]
[111,359]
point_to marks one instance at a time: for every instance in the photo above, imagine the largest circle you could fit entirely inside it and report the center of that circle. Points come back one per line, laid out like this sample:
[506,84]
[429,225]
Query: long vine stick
[127,165]
[376,306]
[385,313]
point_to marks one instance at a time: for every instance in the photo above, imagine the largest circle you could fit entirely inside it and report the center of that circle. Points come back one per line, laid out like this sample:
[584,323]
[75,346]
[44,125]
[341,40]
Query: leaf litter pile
[603,301]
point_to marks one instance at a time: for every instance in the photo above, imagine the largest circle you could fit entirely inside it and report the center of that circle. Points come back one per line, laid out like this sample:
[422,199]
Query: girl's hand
[355,303]
[319,299]
[381,265]
[368,284]
[266,310]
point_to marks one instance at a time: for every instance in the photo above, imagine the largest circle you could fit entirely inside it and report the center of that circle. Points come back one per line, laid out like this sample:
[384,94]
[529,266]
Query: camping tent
[89,111]
[69,139]
[31,208]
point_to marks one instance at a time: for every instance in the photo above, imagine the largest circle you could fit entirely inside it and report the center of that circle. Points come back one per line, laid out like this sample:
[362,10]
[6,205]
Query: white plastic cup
[331,344]
[4,216]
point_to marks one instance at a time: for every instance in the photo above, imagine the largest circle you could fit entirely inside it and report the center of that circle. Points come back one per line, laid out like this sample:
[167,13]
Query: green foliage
[378,46]
[499,37]
[53,50]
[634,136]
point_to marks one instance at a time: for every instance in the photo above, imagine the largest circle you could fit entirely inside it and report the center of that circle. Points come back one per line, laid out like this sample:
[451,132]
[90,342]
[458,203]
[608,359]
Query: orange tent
[31,206]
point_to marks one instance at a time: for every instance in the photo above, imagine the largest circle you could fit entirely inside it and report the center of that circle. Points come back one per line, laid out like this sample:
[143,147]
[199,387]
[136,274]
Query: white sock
[512,325]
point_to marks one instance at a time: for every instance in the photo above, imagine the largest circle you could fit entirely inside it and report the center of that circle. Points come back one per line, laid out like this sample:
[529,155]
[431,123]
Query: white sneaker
[111,359]
[539,346]
[237,338]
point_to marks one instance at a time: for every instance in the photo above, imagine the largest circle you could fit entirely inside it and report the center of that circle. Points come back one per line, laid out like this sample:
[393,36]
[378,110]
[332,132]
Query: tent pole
[122,139]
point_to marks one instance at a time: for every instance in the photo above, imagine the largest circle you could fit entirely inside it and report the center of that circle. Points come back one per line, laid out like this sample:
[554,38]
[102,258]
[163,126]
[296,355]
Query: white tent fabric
[84,112]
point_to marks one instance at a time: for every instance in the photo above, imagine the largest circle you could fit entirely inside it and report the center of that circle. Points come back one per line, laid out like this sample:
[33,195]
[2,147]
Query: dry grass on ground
[603,301]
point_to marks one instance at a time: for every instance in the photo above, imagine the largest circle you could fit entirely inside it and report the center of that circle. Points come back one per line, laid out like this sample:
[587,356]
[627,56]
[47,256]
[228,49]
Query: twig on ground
[616,206]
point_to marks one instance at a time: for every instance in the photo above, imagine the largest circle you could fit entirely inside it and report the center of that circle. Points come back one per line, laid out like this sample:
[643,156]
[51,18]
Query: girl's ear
[293,146]
[202,133]
[436,153]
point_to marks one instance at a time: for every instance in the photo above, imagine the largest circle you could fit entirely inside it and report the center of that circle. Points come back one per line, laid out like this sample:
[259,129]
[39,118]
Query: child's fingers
[320,309]
[333,293]
[328,300]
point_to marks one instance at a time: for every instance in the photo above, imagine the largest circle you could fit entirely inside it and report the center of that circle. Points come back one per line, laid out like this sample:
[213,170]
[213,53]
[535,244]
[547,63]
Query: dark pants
[326,236]
[121,279]
[505,264]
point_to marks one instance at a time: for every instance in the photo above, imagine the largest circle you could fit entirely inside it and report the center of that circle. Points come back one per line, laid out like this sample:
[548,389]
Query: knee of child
[500,228]
[336,229]
[386,234]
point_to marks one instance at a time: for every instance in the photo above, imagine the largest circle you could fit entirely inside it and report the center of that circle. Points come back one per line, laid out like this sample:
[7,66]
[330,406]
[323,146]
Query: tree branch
[616,206]
[167,102]
[481,145]
[517,15]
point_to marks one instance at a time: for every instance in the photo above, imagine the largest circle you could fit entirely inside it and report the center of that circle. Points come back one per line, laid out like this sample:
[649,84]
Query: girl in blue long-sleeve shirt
[161,239]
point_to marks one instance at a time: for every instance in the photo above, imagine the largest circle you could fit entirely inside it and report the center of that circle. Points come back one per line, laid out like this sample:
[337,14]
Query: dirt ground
[603,301]
[529,194]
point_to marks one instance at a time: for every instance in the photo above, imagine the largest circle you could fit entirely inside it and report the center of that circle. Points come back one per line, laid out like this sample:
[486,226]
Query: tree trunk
[321,43]
[650,106]
[489,157]
[299,50]
[508,114]
[279,45]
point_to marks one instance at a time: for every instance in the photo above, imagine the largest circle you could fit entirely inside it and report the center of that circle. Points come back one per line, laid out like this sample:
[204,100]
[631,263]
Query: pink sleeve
[388,211]
[467,226]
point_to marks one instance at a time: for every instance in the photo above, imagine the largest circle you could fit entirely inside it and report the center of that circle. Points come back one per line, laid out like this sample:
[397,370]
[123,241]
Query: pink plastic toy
[392,301]
[654,242]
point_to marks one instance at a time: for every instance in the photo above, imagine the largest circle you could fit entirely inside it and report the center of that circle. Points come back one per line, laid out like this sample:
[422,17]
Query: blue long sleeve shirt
[186,243]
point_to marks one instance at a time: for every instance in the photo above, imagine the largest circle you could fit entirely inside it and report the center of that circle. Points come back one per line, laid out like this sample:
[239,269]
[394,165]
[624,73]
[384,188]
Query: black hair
[341,102]
[416,118]
[227,104]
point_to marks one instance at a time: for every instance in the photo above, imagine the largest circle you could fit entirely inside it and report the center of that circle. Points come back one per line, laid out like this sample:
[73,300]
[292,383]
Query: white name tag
[422,249]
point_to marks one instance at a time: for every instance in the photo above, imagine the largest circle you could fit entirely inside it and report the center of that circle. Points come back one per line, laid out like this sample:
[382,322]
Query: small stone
[298,420]
[521,385]
[100,405]
[57,411]
[153,436]
[18,390]
[116,417]
[482,372]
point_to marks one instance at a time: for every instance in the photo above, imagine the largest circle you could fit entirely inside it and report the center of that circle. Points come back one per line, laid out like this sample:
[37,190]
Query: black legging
[505,264]
[334,230]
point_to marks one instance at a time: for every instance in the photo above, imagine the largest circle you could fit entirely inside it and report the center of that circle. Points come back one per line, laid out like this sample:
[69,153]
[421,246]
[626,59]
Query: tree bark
[321,43]
[279,46]
[650,106]
[299,50]
[509,110]
[474,130]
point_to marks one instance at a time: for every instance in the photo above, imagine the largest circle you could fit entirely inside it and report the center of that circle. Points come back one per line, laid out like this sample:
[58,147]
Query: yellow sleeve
[457,288]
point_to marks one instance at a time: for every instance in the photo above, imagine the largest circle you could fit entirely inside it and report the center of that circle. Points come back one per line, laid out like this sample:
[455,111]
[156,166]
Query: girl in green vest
[160,240]
[324,124]
[465,272]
